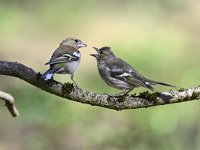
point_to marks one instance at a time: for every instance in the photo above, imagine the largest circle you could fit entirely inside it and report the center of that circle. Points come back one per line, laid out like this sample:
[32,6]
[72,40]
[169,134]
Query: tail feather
[161,83]
[149,86]
[49,74]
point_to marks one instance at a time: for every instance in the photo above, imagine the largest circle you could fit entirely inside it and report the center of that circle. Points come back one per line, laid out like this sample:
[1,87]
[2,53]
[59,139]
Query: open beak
[96,49]
[94,55]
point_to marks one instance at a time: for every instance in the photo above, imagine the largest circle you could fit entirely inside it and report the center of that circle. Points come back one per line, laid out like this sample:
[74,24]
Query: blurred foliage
[160,38]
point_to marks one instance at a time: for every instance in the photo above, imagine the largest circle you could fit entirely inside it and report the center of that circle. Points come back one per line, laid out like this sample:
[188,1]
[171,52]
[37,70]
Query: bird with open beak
[119,74]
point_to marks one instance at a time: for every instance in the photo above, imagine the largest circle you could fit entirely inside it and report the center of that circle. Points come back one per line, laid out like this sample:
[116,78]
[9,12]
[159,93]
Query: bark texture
[71,92]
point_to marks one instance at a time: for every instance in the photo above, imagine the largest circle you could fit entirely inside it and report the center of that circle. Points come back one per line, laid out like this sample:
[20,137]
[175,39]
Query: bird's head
[103,53]
[77,43]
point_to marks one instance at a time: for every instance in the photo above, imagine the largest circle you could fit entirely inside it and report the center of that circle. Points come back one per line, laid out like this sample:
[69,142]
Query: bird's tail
[152,82]
[49,74]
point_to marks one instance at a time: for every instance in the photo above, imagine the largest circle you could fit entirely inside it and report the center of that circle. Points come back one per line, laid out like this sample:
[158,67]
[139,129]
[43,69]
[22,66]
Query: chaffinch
[65,59]
[119,74]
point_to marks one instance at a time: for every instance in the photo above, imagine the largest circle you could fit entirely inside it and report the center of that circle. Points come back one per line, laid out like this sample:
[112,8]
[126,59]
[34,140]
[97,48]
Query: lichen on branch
[71,92]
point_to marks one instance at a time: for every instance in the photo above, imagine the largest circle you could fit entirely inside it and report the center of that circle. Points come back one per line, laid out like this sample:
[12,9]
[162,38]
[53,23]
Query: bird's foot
[75,85]
[116,97]
[67,87]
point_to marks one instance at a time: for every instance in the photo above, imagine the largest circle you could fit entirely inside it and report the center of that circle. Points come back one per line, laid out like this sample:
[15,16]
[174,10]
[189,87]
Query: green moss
[149,96]
[67,87]
[195,95]
[121,98]
[187,98]
[133,95]
[181,90]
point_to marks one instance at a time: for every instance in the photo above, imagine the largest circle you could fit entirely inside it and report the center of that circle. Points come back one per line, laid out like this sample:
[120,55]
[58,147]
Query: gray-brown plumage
[63,52]
[119,74]
[65,59]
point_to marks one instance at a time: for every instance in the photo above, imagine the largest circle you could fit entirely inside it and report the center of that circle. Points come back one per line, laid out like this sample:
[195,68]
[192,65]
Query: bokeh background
[160,38]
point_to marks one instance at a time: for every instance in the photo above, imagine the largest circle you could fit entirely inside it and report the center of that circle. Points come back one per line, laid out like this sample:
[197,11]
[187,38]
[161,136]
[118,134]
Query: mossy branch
[71,92]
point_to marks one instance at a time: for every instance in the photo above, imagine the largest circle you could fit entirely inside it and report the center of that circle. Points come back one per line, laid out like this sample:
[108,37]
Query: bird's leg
[118,95]
[127,91]
[72,78]
[122,93]
[113,97]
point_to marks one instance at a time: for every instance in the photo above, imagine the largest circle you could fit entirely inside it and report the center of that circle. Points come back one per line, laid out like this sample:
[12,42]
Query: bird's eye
[76,40]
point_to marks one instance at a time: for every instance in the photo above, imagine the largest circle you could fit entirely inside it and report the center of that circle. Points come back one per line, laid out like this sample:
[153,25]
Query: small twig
[9,102]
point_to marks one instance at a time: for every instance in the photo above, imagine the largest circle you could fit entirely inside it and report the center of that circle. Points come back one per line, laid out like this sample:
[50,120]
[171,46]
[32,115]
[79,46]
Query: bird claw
[74,83]
[116,98]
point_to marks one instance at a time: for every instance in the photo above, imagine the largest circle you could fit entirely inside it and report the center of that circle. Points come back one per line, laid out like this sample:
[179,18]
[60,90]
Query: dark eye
[76,40]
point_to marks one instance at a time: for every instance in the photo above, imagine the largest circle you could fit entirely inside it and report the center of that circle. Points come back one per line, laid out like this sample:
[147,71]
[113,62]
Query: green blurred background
[160,38]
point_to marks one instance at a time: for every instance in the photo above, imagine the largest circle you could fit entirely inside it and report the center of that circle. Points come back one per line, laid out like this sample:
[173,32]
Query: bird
[119,74]
[65,59]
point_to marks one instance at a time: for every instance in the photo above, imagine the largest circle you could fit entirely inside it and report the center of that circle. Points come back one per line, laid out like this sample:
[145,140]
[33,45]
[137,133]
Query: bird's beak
[82,45]
[96,49]
[94,55]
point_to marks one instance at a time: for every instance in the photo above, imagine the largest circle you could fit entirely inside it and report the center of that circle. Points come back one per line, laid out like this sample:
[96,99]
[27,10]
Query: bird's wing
[64,58]
[123,71]
[64,54]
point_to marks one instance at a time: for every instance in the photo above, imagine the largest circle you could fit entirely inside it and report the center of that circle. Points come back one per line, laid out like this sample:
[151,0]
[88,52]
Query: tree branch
[9,102]
[71,92]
